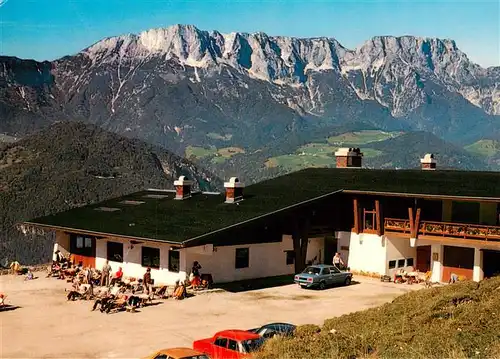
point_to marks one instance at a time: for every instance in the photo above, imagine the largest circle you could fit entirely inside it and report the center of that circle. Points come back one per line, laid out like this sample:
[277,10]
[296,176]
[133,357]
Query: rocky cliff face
[172,86]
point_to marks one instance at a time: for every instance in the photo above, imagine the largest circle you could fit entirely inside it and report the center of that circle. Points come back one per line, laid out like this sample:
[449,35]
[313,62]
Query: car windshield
[202,356]
[312,270]
[252,345]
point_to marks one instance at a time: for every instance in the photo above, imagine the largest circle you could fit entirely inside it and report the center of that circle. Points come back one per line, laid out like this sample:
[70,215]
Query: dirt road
[47,326]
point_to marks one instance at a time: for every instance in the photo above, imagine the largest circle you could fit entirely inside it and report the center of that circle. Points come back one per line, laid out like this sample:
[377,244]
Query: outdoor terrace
[445,229]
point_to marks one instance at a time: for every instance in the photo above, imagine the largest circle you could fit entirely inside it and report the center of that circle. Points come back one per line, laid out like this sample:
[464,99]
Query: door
[83,249]
[327,276]
[491,263]
[226,348]
[423,258]
[233,349]
[337,276]
[457,260]
[331,244]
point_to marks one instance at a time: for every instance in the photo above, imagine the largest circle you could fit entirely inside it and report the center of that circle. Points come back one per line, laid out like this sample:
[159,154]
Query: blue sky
[48,29]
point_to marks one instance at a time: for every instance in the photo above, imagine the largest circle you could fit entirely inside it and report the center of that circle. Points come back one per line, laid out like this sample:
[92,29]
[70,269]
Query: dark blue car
[275,329]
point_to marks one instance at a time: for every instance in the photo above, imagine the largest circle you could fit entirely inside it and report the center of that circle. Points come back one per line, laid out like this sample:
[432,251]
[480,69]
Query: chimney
[428,162]
[234,190]
[183,188]
[349,157]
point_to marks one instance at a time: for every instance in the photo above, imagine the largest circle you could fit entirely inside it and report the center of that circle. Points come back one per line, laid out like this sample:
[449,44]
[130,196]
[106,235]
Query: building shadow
[255,284]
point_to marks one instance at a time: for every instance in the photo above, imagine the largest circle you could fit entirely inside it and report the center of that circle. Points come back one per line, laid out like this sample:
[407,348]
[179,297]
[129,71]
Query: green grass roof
[178,221]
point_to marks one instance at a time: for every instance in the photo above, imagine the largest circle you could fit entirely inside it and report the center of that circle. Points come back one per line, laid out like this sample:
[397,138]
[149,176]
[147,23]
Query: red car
[230,344]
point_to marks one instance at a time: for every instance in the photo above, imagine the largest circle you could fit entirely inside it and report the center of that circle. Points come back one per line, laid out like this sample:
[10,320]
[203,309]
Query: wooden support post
[380,222]
[356,216]
[300,238]
[416,224]
[304,241]
[296,246]
[412,223]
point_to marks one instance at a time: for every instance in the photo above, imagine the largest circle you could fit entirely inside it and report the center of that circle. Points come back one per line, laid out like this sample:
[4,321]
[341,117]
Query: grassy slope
[456,321]
[361,137]
[484,147]
[322,154]
[381,150]
[487,149]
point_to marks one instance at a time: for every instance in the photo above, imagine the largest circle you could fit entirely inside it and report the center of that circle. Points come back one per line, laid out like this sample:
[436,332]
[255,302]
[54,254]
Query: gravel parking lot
[47,326]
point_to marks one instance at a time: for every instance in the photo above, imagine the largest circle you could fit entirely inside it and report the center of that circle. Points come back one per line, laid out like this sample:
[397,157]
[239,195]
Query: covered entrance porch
[466,258]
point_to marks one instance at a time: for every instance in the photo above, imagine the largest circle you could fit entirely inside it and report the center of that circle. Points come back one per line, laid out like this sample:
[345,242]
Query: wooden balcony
[444,229]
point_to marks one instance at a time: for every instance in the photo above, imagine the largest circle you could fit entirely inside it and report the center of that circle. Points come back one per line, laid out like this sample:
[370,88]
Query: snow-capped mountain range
[174,85]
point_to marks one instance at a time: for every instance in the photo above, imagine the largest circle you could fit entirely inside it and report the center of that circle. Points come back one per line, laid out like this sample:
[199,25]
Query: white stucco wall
[478,273]
[399,248]
[343,241]
[131,265]
[315,249]
[265,259]
[367,252]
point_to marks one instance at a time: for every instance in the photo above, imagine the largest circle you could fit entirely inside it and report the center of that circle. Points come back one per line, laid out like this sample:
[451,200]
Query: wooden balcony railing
[397,225]
[444,229]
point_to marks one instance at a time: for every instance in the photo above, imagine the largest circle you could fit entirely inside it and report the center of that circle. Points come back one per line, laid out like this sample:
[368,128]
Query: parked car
[271,330]
[177,353]
[230,344]
[322,275]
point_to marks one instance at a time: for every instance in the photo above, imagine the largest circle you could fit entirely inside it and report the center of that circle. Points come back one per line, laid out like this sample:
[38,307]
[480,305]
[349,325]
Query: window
[290,257]
[162,356]
[409,262]
[369,220]
[221,342]
[269,334]
[233,345]
[465,212]
[334,270]
[242,258]
[173,261]
[115,252]
[150,257]
[392,264]
[401,263]
[81,245]
[326,271]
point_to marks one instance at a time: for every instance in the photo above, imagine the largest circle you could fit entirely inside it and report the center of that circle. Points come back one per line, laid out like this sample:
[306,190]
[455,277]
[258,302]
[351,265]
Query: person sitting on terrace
[117,277]
[117,300]
[16,268]
[71,271]
[103,297]
[179,290]
[50,269]
[30,275]
[80,291]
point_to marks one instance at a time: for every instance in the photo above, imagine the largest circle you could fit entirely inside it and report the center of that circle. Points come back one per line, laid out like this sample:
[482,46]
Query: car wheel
[347,281]
[322,285]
